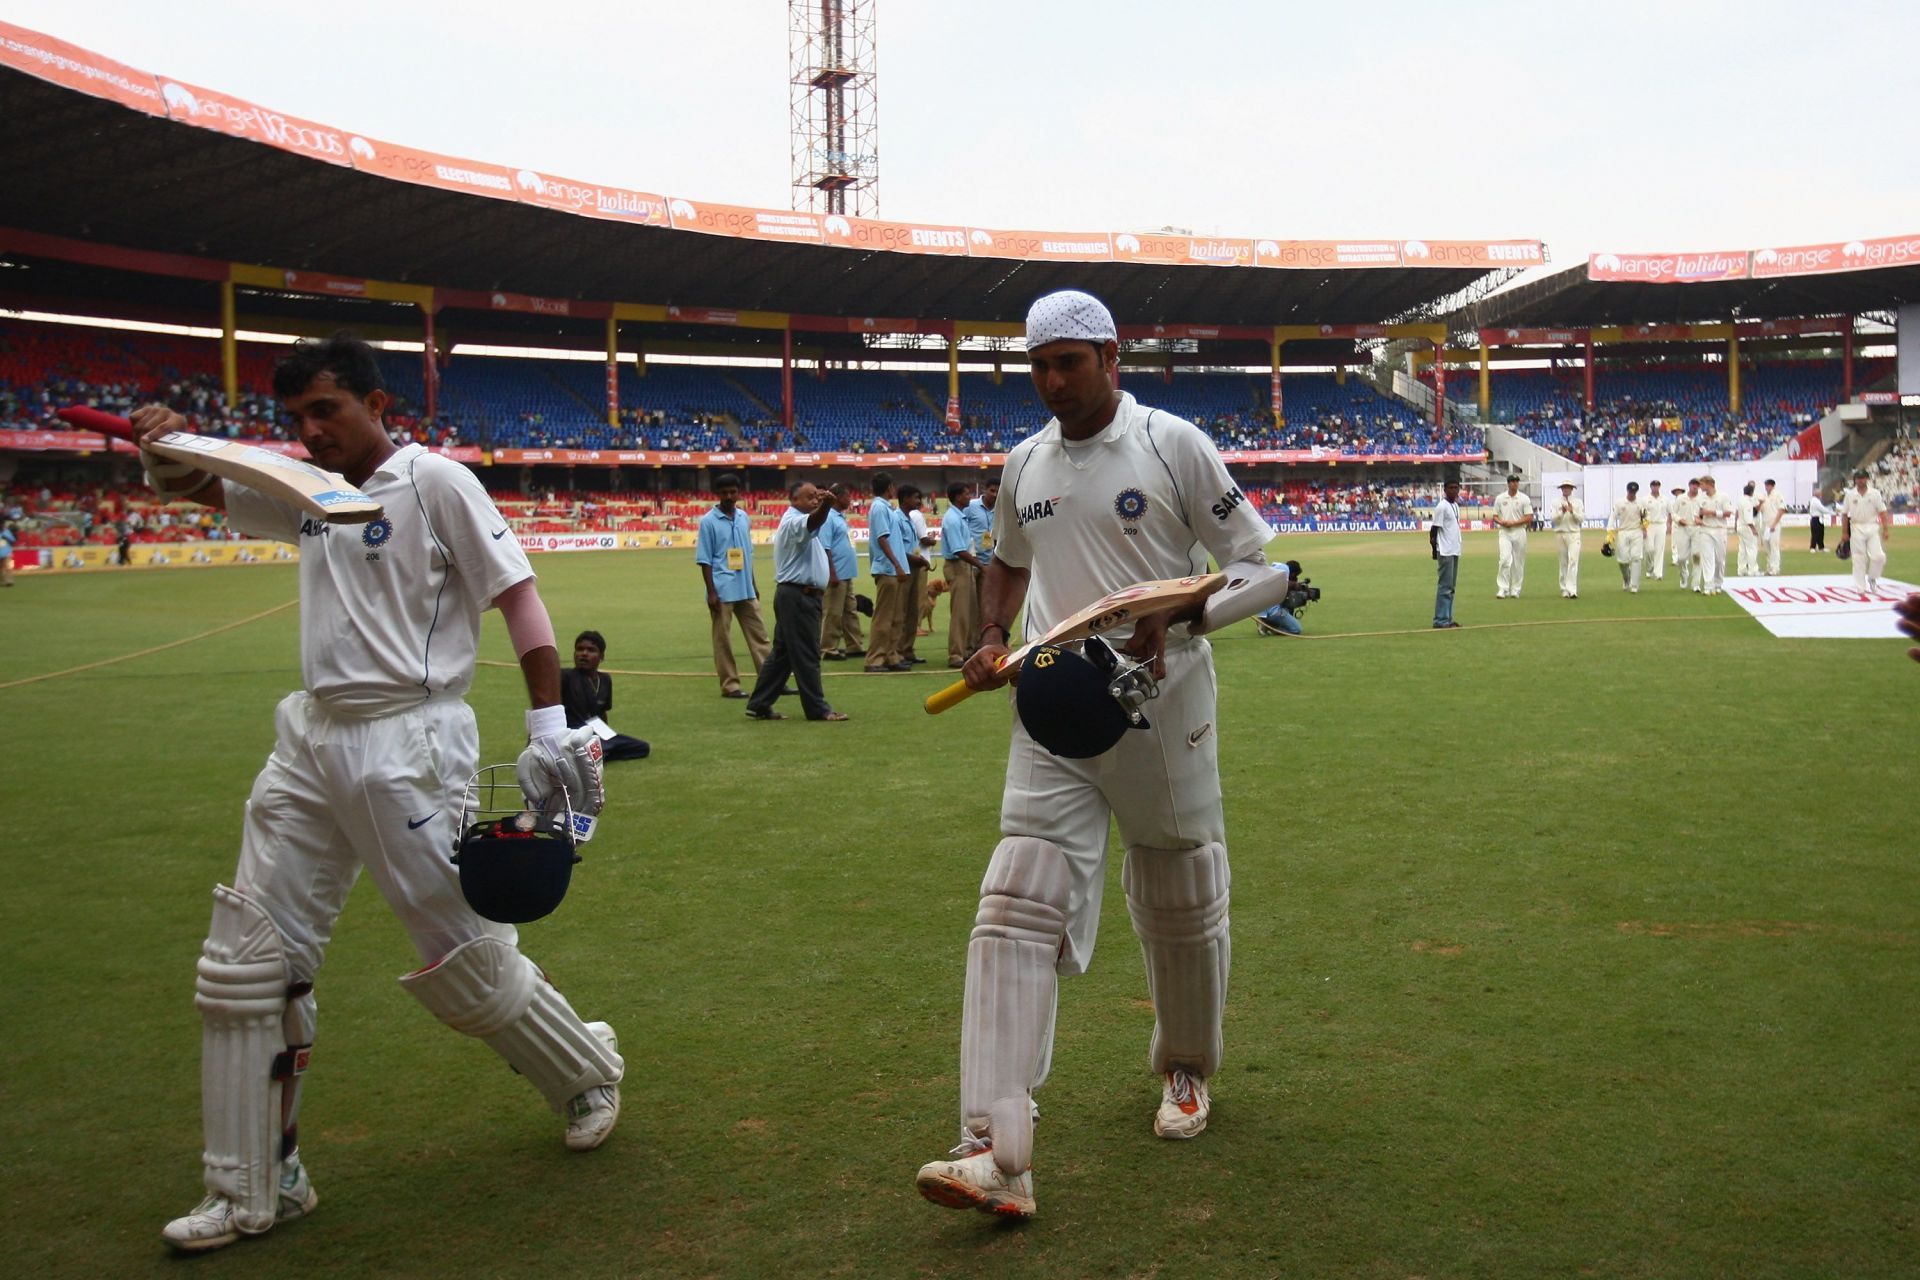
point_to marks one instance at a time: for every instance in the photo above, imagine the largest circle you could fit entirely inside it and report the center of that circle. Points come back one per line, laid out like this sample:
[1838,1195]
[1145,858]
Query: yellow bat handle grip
[948,698]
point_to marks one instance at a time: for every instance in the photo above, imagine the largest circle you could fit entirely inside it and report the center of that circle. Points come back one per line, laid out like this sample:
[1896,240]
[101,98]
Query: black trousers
[1819,536]
[796,652]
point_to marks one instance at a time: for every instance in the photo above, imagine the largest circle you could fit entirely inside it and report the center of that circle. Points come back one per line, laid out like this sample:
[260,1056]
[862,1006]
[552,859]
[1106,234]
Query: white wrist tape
[545,722]
[172,479]
[1253,587]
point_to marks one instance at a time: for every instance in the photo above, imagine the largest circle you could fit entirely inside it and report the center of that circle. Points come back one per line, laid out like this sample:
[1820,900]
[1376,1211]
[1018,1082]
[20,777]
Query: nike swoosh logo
[414,824]
[1194,738]
[499,535]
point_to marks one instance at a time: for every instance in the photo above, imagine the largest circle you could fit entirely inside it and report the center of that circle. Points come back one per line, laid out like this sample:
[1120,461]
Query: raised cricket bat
[291,480]
[1141,600]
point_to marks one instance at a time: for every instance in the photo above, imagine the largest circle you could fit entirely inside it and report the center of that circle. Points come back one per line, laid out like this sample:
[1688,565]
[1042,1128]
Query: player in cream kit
[1109,493]
[369,766]
[1513,514]
[1659,519]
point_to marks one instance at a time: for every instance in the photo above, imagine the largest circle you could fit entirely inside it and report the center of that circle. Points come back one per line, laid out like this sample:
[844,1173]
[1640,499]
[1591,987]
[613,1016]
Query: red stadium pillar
[786,377]
[1279,409]
[1733,373]
[1846,362]
[229,347]
[613,372]
[1439,384]
[429,365]
[1589,372]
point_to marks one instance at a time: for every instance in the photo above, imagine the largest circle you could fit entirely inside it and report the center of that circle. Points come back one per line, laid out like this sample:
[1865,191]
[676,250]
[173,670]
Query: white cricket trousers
[1749,553]
[1513,562]
[1570,563]
[1656,559]
[1711,547]
[1683,539]
[1162,784]
[1770,550]
[340,793]
[1630,550]
[1869,555]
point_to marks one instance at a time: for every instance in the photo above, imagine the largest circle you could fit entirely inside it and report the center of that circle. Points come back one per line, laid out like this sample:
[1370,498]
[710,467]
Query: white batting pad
[1006,1020]
[486,989]
[1178,901]
[241,993]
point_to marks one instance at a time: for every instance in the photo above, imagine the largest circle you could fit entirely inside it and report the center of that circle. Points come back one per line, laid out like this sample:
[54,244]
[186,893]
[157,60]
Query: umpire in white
[369,765]
[1107,494]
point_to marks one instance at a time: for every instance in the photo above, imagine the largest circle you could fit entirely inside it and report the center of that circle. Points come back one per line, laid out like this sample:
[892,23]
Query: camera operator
[1283,619]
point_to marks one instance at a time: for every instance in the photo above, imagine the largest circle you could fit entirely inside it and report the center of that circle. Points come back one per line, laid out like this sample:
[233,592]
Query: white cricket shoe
[591,1115]
[211,1226]
[973,1181]
[1184,1106]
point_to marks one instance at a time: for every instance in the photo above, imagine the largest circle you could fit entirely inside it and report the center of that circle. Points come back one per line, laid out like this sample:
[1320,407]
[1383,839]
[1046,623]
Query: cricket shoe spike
[972,1180]
[1184,1106]
[211,1224]
[591,1115]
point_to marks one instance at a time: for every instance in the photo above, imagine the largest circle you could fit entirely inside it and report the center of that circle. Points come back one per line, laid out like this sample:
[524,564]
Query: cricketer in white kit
[1659,517]
[1716,516]
[1109,493]
[1629,548]
[1567,514]
[1866,525]
[1513,516]
[1773,509]
[369,766]
[1686,527]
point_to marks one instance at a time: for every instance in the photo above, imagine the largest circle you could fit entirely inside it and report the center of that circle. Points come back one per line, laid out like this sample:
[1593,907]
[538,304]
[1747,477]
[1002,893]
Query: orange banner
[747,224]
[479,300]
[72,67]
[1822,259]
[1181,251]
[427,169]
[319,282]
[1041,246]
[1668,268]
[1487,255]
[1354,331]
[616,204]
[238,118]
[1326,253]
[896,237]
[1532,337]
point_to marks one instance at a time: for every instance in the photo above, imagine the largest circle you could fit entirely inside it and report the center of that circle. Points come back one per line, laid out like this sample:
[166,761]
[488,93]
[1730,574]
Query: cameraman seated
[1283,619]
[587,694]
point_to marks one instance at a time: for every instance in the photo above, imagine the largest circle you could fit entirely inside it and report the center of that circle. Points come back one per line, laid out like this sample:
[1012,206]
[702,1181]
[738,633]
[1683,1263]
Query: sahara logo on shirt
[1224,505]
[1037,510]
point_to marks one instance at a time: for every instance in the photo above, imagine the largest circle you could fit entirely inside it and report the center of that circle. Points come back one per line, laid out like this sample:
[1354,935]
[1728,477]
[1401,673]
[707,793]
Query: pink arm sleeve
[528,625]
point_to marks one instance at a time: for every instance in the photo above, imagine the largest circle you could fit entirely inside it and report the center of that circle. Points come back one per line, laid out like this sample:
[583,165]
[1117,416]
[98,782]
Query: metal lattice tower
[835,113]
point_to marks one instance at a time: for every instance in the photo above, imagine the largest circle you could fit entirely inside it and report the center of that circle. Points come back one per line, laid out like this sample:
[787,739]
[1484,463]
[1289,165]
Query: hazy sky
[1622,126]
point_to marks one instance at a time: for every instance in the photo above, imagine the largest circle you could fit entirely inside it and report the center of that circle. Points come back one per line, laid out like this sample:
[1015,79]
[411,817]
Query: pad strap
[242,997]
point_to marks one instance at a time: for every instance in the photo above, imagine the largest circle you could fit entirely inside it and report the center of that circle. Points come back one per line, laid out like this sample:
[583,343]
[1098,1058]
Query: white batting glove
[560,761]
[172,479]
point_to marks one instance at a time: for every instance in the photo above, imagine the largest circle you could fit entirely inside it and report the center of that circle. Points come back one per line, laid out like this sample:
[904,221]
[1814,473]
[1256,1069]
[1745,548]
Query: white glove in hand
[559,759]
[172,479]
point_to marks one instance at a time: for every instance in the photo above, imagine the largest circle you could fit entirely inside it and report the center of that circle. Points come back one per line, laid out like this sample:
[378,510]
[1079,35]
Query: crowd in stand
[1897,475]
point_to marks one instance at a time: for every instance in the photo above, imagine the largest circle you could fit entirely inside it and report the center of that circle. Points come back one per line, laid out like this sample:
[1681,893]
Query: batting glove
[172,479]
[560,761]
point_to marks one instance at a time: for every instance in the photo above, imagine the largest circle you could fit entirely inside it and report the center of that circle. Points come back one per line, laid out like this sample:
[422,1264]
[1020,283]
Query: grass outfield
[1586,949]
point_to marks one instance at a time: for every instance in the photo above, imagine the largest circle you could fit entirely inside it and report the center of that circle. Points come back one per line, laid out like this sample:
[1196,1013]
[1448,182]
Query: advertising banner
[1346,524]
[1668,268]
[157,555]
[1182,250]
[895,237]
[1533,337]
[1041,246]
[1821,606]
[238,118]
[747,224]
[72,67]
[1486,255]
[590,199]
[1824,259]
[428,169]
[1318,254]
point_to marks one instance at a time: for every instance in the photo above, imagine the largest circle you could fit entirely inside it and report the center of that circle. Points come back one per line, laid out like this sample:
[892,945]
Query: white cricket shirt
[1446,518]
[1863,509]
[1147,498]
[1715,511]
[1628,515]
[1513,506]
[390,611]
[1567,514]
[1658,508]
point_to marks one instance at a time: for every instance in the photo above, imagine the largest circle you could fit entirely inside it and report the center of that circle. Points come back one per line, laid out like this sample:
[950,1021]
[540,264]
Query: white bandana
[1069,314]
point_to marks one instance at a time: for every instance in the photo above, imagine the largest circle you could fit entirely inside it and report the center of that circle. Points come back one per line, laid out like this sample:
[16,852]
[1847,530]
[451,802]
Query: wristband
[994,626]
[545,722]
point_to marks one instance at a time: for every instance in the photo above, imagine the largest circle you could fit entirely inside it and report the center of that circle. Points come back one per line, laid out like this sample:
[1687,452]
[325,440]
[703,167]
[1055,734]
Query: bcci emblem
[1130,505]
[377,533]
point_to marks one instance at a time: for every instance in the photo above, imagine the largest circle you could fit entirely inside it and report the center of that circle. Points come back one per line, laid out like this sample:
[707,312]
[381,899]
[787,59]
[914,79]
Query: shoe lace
[1179,1085]
[971,1144]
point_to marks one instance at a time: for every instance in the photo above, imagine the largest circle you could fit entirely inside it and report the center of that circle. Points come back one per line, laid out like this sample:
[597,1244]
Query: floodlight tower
[835,113]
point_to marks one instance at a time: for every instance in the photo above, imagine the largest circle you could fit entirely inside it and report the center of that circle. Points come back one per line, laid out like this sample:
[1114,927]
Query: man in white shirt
[1513,516]
[1747,514]
[1567,514]
[1716,516]
[1628,548]
[1686,524]
[1865,523]
[1773,509]
[368,771]
[1818,513]
[1659,528]
[1443,535]
[1109,493]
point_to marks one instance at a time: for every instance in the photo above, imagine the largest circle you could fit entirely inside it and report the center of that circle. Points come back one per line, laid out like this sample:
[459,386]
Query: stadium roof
[97,151]
[1573,297]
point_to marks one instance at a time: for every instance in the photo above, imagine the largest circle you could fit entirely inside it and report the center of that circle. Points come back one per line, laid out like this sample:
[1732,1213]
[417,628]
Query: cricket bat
[297,483]
[1141,600]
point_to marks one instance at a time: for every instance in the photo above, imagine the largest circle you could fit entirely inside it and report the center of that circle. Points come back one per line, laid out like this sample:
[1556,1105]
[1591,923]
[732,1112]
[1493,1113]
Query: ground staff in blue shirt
[887,555]
[963,574]
[980,516]
[839,621]
[800,572]
[724,552]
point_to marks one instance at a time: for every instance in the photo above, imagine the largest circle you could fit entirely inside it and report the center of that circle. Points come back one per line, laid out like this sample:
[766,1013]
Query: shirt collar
[398,460]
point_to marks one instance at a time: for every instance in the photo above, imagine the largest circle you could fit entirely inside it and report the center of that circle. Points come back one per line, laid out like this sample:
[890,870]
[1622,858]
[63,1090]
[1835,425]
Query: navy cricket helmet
[1067,703]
